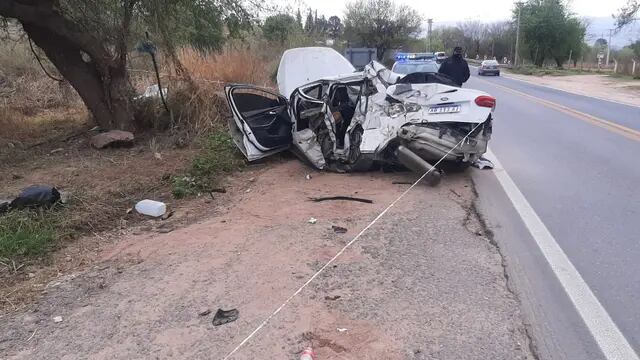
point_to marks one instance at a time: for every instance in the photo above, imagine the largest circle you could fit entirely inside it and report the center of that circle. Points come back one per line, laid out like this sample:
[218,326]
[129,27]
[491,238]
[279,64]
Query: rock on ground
[113,138]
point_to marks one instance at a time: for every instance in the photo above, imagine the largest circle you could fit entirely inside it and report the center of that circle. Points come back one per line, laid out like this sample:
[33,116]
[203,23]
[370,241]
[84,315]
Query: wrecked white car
[342,120]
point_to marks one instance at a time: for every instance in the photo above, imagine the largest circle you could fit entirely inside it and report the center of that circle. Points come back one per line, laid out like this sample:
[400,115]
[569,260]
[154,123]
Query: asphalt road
[582,178]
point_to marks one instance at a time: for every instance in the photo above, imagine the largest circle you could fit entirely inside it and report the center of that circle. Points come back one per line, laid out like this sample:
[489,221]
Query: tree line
[89,41]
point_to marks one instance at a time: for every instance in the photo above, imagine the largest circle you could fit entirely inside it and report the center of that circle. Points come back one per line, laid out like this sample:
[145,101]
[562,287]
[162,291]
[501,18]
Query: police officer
[456,67]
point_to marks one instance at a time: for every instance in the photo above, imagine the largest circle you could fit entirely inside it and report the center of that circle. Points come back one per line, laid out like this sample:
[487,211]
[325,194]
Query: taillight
[486,101]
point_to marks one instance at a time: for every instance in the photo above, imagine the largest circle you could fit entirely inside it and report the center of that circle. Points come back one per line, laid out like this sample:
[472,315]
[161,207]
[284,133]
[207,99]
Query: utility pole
[609,47]
[570,53]
[430,22]
[515,61]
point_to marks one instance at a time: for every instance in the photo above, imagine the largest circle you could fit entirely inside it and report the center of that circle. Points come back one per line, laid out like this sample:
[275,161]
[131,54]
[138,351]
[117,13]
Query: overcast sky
[459,10]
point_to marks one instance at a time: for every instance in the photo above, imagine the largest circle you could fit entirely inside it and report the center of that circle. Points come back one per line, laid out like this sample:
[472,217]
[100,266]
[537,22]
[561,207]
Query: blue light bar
[414,56]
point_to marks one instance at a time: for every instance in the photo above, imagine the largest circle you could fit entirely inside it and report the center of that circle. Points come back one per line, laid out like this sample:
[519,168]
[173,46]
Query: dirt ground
[600,86]
[424,282]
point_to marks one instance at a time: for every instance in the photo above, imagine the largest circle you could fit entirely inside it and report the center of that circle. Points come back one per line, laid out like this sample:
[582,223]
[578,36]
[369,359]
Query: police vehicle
[408,63]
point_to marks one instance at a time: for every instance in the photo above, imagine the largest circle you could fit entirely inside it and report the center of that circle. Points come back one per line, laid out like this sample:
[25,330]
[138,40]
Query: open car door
[261,125]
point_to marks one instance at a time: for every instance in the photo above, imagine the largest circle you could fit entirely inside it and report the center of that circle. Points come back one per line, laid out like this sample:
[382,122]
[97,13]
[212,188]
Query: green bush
[218,156]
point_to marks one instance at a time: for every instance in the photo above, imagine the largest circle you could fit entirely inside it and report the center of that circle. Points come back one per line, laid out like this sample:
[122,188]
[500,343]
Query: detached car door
[261,125]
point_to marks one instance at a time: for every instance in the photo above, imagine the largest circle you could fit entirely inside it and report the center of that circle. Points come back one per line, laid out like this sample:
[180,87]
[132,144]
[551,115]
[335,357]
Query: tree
[474,32]
[570,44]
[299,19]
[322,26]
[600,43]
[548,30]
[452,37]
[627,14]
[309,24]
[499,39]
[381,23]
[279,27]
[635,47]
[335,27]
[88,41]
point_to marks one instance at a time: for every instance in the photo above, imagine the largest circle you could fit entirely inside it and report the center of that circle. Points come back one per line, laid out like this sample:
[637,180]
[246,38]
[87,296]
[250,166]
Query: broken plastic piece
[483,163]
[348,198]
[151,208]
[225,316]
[308,354]
[312,220]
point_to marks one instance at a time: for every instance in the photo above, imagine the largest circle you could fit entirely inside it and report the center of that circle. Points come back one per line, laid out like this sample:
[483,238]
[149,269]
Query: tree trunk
[104,88]
[99,77]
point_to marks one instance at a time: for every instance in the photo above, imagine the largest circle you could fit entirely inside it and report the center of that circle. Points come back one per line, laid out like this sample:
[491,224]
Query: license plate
[444,109]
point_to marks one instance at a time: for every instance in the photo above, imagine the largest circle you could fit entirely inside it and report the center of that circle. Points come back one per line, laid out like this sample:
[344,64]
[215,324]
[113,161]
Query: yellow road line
[605,124]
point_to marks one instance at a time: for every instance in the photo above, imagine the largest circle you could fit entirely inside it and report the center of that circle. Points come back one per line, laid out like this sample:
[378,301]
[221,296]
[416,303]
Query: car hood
[301,66]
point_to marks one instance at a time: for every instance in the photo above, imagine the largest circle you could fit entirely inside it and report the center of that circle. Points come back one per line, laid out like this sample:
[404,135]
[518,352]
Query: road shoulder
[425,282]
[602,87]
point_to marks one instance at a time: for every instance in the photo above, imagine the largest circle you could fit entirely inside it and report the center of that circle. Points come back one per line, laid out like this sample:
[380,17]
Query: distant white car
[440,56]
[489,67]
[342,120]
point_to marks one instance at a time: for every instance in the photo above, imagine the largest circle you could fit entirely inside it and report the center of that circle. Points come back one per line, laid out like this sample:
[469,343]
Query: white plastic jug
[151,208]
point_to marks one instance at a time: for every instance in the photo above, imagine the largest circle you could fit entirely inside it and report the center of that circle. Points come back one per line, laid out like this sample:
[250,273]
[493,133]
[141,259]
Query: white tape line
[345,248]
[610,339]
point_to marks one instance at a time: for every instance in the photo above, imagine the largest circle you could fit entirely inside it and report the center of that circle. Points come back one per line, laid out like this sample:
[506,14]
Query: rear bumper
[489,71]
[433,144]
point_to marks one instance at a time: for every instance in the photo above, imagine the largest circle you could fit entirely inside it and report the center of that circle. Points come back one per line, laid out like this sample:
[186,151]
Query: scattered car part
[339,229]
[204,312]
[36,196]
[347,198]
[312,220]
[414,162]
[308,354]
[332,298]
[151,208]
[225,316]
[483,163]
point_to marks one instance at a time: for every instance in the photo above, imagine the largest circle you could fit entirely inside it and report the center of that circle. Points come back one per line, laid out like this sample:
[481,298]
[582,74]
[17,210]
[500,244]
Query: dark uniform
[456,67]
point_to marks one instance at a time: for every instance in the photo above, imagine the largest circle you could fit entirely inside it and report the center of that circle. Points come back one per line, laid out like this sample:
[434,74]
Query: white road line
[609,338]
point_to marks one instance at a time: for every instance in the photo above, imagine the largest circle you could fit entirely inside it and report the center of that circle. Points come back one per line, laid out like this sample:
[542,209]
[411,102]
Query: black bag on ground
[36,196]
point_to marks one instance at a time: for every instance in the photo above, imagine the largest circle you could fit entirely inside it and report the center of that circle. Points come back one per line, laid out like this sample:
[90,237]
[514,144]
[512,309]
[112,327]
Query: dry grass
[31,102]
[229,66]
